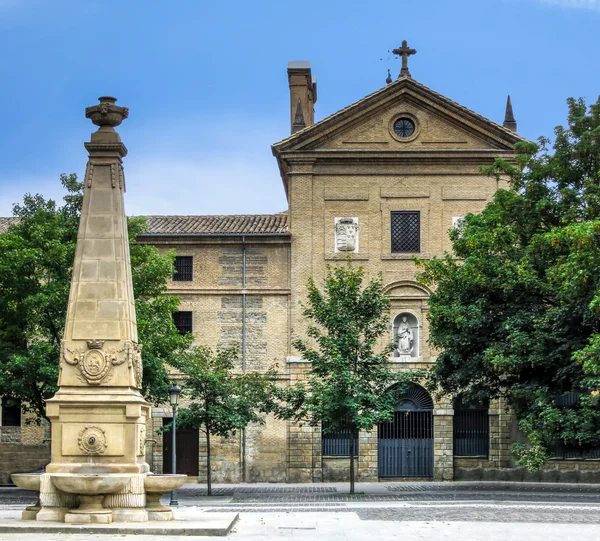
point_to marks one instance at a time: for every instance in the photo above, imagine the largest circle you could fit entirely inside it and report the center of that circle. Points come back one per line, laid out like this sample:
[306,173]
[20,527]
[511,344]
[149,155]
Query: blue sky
[207,88]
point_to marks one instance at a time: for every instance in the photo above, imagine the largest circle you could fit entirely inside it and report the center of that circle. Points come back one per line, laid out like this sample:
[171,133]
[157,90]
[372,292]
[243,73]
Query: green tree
[350,384]
[516,309]
[221,399]
[36,260]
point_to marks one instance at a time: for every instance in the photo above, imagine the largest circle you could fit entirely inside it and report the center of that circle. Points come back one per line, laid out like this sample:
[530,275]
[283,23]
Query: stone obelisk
[98,414]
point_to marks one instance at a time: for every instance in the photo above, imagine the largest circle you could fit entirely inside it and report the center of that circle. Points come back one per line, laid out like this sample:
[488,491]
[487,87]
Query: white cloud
[204,165]
[577,4]
[190,166]
[225,186]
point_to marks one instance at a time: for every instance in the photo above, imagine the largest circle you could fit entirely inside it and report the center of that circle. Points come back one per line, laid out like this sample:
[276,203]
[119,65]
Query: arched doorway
[405,445]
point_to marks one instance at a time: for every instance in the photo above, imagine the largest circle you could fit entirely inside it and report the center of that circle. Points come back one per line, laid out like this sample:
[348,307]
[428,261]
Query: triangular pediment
[368,124]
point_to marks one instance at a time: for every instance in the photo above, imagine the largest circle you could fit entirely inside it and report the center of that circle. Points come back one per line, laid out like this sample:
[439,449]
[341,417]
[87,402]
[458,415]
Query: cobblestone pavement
[471,512]
[323,494]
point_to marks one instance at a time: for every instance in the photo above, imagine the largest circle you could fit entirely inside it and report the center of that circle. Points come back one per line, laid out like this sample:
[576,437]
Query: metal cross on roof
[404,52]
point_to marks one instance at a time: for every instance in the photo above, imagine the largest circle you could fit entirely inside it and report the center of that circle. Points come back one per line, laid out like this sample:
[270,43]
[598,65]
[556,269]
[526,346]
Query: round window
[404,127]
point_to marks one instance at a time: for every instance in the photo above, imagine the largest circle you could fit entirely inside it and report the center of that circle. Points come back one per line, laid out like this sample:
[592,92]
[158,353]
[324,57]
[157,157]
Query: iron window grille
[338,443]
[11,412]
[184,268]
[406,231]
[561,451]
[183,322]
[471,430]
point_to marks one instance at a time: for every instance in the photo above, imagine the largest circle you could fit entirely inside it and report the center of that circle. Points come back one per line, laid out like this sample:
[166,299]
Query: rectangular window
[183,321]
[471,432]
[184,268]
[338,443]
[561,451]
[11,412]
[406,231]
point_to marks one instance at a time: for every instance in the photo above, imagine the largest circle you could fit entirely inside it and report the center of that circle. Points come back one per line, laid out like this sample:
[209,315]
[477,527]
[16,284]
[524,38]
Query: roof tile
[238,224]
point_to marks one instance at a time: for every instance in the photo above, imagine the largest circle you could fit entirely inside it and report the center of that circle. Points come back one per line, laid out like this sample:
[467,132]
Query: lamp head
[174,393]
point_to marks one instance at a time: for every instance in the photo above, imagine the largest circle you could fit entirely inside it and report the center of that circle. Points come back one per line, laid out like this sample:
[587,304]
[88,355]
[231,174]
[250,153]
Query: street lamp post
[174,393]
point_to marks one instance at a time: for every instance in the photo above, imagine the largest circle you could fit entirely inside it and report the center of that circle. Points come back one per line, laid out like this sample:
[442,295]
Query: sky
[206,82]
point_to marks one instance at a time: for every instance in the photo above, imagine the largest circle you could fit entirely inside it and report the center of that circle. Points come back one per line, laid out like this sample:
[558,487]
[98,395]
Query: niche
[406,337]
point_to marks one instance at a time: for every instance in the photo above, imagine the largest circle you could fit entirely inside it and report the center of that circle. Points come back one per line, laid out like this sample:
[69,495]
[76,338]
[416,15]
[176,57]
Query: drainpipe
[244,346]
[243,304]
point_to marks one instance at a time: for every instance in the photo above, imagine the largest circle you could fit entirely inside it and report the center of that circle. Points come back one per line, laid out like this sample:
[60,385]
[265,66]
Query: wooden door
[188,447]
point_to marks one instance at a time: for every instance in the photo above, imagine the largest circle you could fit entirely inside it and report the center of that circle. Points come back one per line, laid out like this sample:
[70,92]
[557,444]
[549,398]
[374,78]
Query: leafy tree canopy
[515,311]
[350,382]
[36,260]
[220,399]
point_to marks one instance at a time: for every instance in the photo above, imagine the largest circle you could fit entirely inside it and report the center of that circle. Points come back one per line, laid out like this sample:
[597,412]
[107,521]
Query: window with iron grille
[471,429]
[184,268]
[11,412]
[561,451]
[183,321]
[338,443]
[406,231]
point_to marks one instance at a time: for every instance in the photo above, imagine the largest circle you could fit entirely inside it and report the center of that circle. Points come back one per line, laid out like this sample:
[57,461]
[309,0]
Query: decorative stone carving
[97,363]
[137,364]
[406,338]
[129,501]
[92,440]
[95,366]
[346,234]
[106,113]
[406,335]
[142,441]
[122,178]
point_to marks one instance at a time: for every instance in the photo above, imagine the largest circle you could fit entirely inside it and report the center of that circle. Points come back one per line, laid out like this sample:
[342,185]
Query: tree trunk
[208,477]
[351,436]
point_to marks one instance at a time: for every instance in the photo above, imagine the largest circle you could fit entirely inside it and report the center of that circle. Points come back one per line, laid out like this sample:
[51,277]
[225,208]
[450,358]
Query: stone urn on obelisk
[98,414]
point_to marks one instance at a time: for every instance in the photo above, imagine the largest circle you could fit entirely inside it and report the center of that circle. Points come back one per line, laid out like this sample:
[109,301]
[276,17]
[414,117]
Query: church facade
[380,181]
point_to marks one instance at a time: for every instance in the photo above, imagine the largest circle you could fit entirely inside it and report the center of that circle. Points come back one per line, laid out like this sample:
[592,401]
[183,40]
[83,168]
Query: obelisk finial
[404,52]
[106,114]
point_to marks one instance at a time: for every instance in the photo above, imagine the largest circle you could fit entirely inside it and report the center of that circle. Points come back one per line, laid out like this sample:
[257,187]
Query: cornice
[208,238]
[98,149]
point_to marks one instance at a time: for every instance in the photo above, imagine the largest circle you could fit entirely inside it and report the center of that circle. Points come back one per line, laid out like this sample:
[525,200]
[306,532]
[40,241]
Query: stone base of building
[554,471]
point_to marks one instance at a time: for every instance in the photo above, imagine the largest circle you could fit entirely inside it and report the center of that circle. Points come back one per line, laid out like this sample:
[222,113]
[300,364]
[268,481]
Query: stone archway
[405,445]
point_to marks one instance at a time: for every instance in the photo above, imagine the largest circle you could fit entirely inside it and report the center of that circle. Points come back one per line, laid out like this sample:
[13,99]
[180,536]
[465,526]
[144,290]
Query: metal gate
[405,445]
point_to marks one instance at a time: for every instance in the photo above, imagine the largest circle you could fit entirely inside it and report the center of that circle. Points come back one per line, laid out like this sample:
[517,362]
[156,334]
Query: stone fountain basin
[89,483]
[158,484]
[27,481]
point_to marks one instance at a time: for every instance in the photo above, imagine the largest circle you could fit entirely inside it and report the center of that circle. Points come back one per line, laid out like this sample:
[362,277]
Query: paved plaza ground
[407,511]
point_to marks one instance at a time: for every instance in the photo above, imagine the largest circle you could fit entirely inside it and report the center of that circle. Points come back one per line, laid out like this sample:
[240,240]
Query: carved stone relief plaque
[92,440]
[346,235]
[96,363]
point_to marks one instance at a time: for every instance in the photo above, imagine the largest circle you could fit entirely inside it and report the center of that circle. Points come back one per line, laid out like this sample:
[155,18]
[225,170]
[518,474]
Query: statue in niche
[346,234]
[406,337]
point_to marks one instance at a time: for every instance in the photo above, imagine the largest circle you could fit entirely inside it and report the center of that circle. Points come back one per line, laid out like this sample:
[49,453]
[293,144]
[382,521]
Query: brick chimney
[303,95]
